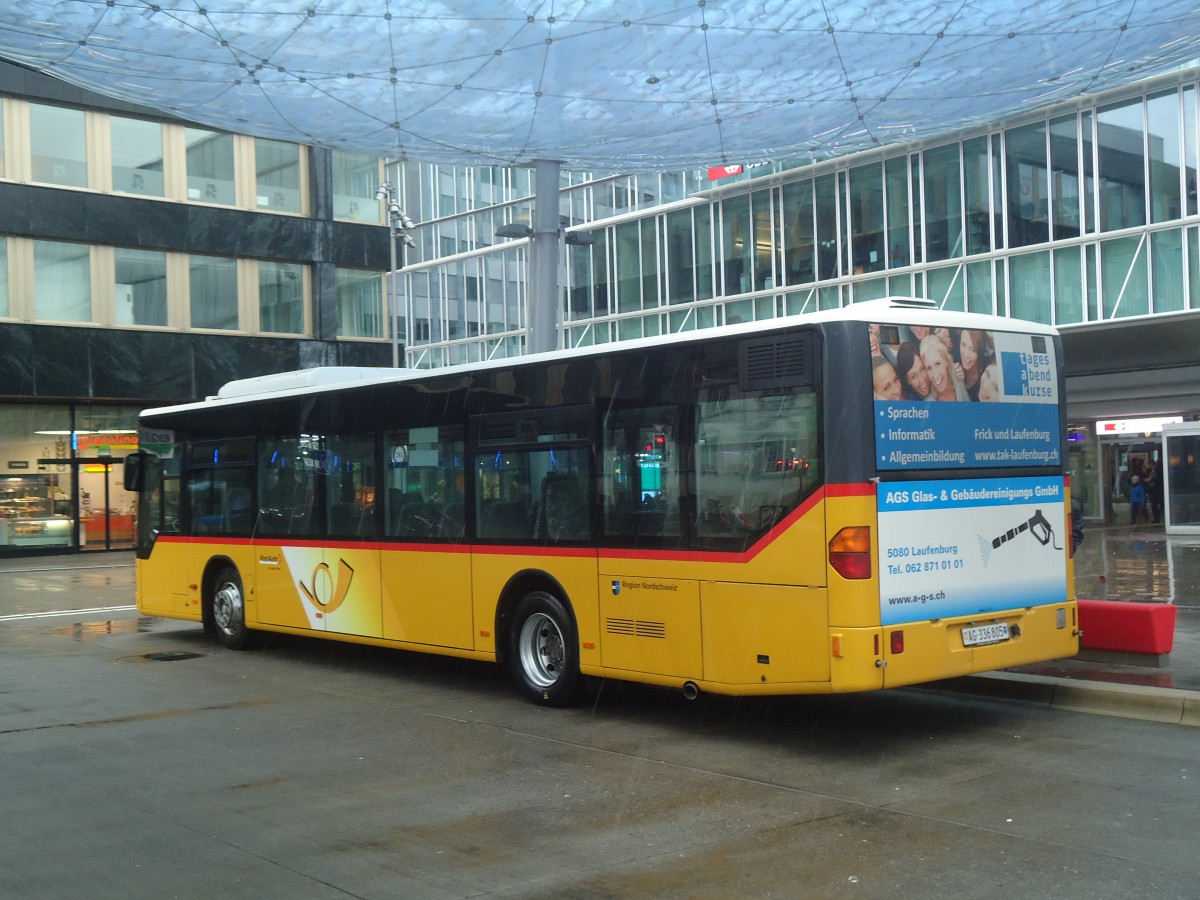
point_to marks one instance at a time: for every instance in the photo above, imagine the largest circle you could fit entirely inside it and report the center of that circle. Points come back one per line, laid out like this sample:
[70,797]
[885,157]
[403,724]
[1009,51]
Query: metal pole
[542,311]
[393,312]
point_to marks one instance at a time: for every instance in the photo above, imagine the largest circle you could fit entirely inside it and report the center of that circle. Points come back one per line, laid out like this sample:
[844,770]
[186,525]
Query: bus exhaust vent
[636,628]
[779,362]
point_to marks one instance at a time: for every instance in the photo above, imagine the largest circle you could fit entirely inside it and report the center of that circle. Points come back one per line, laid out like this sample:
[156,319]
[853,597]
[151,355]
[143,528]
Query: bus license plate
[985,634]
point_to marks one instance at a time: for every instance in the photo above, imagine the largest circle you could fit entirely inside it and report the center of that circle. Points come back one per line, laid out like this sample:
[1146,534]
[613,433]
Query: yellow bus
[857,499]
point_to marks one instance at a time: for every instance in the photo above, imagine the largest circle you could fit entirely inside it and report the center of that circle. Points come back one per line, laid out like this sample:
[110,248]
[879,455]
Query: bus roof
[890,310]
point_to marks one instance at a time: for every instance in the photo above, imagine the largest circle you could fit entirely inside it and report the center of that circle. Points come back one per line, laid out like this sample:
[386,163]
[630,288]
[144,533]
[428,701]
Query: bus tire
[229,611]
[543,651]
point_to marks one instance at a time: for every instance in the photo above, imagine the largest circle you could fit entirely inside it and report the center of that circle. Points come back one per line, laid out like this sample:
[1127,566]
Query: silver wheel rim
[542,650]
[227,608]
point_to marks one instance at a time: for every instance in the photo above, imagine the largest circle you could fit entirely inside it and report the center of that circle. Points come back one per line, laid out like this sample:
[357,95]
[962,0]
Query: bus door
[317,563]
[425,564]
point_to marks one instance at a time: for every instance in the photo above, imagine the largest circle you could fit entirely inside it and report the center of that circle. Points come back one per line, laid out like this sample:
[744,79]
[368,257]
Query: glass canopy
[598,84]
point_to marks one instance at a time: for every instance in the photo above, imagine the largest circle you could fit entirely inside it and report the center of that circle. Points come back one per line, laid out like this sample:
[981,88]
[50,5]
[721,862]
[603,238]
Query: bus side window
[287,487]
[221,487]
[424,476]
[640,478]
[756,456]
[350,485]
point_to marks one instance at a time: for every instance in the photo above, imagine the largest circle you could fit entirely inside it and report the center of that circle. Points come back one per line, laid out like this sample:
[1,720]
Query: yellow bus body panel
[575,571]
[162,583]
[764,634]
[427,596]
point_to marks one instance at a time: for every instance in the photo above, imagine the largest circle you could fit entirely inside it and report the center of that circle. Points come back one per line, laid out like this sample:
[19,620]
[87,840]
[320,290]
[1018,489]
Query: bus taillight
[850,552]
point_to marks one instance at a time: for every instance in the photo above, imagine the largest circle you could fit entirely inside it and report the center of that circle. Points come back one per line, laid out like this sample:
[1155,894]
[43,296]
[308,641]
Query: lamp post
[398,228]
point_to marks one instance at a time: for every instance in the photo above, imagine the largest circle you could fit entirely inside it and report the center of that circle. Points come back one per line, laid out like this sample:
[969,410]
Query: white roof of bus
[890,310]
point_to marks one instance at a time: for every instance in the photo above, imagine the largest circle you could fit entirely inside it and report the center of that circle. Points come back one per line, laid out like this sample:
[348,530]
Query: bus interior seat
[563,510]
[350,520]
[505,519]
[418,519]
[454,519]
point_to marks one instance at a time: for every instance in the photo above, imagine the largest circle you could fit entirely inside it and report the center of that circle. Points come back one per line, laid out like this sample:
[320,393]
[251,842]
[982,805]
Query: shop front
[61,478]
[1106,456]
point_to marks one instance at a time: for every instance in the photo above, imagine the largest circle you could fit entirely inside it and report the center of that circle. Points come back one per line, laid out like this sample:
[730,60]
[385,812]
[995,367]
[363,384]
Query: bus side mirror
[135,471]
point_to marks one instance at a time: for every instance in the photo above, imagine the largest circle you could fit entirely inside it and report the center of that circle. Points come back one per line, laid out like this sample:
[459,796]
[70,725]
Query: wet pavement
[1139,563]
[1143,564]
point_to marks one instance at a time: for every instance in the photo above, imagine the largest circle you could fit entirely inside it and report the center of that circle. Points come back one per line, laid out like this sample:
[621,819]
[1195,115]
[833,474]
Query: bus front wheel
[543,651]
[229,611]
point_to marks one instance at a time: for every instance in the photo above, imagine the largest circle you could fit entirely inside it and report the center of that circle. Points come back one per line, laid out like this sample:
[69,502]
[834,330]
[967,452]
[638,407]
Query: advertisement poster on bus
[949,398]
[970,546]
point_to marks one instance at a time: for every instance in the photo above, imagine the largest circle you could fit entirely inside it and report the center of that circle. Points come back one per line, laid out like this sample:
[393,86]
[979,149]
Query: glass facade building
[146,261]
[1083,215]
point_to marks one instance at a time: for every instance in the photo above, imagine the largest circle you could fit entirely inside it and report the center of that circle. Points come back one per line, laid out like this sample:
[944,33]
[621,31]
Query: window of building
[1065,190]
[1166,252]
[3,171]
[943,204]
[355,181]
[1028,185]
[896,173]
[737,244]
[4,307]
[213,292]
[359,303]
[681,266]
[650,256]
[137,156]
[979,288]
[825,202]
[58,144]
[281,297]
[799,248]
[140,287]
[1190,161]
[1166,154]
[1068,285]
[866,219]
[977,179]
[210,171]
[277,176]
[1123,268]
[1030,286]
[768,239]
[629,267]
[62,282]
[1122,176]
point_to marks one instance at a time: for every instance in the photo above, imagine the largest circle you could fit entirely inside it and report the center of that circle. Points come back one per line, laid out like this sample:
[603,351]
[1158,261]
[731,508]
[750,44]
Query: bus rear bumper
[920,652]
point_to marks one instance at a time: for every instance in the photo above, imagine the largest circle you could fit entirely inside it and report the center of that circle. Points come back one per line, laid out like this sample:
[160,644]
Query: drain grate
[170,657]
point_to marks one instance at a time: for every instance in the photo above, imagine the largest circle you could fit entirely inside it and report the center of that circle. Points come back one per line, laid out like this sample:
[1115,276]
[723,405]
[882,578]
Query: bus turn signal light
[850,552]
[897,641]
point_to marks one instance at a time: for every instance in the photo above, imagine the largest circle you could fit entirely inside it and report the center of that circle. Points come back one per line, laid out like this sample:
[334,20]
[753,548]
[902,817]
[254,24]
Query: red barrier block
[1127,627]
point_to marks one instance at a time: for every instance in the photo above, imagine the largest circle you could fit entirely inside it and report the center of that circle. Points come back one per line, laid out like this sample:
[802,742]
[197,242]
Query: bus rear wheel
[229,611]
[543,651]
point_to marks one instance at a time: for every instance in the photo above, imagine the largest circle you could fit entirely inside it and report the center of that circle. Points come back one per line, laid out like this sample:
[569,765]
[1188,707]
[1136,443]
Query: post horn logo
[326,594]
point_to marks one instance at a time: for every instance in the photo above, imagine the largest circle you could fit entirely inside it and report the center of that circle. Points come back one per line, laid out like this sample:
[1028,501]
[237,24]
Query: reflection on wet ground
[1138,563]
[82,631]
